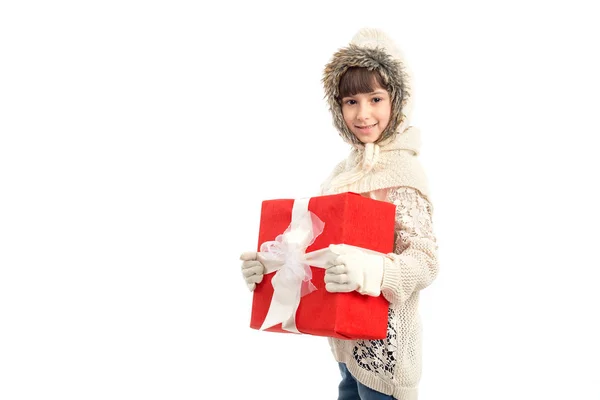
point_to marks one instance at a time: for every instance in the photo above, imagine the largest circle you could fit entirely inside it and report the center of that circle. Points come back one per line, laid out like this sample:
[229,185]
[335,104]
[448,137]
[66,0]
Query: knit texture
[379,166]
[393,365]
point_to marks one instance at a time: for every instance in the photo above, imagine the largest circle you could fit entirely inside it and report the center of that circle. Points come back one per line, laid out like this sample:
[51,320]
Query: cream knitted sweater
[393,365]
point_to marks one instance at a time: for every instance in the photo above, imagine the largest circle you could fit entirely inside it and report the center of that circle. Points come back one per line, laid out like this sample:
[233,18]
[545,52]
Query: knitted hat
[373,49]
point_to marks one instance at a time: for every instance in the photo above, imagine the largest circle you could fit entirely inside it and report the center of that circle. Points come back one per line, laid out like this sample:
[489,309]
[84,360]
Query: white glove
[354,270]
[252,269]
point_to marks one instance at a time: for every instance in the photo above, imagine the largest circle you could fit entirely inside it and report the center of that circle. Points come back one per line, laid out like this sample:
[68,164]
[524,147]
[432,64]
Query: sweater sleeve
[414,264]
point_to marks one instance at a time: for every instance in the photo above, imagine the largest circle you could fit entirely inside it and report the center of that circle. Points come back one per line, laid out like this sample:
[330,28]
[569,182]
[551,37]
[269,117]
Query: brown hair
[359,80]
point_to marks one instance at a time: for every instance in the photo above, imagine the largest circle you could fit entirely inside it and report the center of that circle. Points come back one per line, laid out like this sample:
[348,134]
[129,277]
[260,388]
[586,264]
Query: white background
[137,140]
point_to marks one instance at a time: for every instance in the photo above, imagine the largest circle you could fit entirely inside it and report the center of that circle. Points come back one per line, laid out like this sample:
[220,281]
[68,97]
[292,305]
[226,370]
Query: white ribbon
[287,257]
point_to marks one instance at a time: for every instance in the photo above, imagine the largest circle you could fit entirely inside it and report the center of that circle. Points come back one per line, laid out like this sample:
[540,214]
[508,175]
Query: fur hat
[373,49]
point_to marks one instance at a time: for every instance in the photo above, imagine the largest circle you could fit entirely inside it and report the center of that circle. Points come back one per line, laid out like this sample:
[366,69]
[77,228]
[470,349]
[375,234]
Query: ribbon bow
[287,255]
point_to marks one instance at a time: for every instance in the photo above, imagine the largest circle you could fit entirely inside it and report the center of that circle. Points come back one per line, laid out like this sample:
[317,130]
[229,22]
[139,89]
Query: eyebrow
[370,94]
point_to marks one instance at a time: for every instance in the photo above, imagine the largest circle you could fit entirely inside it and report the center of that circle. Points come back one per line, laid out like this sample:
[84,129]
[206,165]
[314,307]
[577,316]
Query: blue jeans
[351,389]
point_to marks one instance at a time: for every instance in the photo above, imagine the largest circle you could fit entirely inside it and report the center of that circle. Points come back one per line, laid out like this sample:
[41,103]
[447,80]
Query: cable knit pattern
[393,365]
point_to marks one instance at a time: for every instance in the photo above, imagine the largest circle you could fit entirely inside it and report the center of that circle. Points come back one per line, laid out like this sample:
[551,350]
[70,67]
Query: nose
[363,113]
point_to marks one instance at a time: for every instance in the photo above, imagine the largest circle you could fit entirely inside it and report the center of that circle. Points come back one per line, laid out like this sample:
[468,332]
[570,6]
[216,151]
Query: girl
[367,89]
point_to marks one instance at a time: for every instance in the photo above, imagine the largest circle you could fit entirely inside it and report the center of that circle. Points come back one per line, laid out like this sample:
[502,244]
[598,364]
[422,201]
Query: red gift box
[350,219]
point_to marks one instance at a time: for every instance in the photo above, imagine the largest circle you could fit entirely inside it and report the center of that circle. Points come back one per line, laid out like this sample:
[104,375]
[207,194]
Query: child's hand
[252,269]
[354,270]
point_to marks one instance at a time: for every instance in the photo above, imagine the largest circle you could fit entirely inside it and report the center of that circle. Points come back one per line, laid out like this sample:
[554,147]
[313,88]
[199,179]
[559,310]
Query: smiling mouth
[365,127]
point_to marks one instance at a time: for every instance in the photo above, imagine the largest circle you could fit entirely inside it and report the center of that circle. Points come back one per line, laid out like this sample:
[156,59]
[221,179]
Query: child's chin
[367,138]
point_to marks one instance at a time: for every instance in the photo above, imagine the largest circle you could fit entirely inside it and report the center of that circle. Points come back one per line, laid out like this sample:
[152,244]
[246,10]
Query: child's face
[367,114]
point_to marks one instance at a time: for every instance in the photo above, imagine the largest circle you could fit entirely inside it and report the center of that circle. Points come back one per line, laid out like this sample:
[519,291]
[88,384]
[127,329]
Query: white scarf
[379,166]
